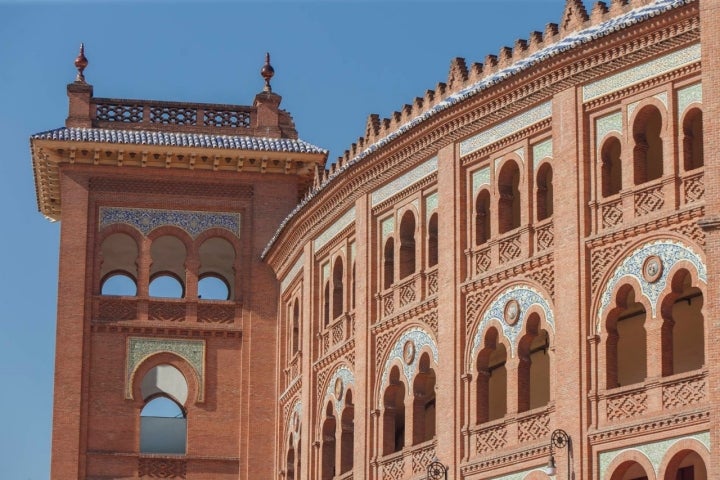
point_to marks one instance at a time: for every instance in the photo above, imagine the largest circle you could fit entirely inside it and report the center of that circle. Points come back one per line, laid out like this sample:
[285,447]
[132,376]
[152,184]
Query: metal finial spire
[81,62]
[267,72]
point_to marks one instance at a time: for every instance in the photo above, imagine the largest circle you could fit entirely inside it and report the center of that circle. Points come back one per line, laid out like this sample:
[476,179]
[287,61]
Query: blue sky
[336,61]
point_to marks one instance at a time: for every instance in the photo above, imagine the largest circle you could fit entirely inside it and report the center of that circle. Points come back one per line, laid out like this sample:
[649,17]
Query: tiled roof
[570,42]
[202,140]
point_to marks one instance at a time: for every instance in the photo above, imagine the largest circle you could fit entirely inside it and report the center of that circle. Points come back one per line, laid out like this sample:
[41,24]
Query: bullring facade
[523,263]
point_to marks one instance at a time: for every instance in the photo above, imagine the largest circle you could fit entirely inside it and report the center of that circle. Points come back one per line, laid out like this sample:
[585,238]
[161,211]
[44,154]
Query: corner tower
[162,296]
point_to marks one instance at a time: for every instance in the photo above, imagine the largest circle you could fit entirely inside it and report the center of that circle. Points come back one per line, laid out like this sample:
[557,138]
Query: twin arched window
[337,461]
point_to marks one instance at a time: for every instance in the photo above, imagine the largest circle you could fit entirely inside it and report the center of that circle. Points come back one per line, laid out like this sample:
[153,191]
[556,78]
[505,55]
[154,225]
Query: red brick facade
[525,254]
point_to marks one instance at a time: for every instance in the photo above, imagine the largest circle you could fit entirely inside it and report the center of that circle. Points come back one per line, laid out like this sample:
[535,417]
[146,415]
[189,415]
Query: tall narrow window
[354,288]
[482,217]
[611,167]
[534,367]
[424,402]
[389,263]
[683,334]
[163,423]
[509,204]
[648,151]
[544,197]
[328,444]
[217,269]
[394,414]
[296,327]
[347,437]
[290,461]
[492,379]
[433,240]
[693,139]
[338,292]
[627,341]
[167,272]
[326,303]
[407,244]
[119,265]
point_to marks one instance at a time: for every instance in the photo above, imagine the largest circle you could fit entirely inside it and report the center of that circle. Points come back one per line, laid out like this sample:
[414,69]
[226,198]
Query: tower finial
[267,72]
[81,62]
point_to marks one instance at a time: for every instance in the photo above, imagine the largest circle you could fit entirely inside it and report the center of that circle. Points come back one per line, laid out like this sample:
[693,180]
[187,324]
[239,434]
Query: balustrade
[112,309]
[407,293]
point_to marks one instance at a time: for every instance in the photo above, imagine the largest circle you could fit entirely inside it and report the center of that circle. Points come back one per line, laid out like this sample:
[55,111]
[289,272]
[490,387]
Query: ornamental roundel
[512,312]
[409,352]
[652,268]
[338,388]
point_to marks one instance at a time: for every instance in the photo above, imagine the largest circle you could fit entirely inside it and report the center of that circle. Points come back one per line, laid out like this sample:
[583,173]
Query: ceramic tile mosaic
[431,204]
[654,451]
[480,178]
[541,151]
[525,296]
[520,475]
[147,220]
[297,413]
[346,379]
[340,224]
[419,339]
[388,227]
[688,95]
[404,181]
[508,127]
[325,272]
[292,273]
[607,124]
[352,253]
[669,252]
[569,42]
[663,98]
[642,72]
[140,348]
[520,152]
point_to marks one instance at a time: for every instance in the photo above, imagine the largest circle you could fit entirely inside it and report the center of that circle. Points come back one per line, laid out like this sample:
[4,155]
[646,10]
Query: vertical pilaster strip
[308,332]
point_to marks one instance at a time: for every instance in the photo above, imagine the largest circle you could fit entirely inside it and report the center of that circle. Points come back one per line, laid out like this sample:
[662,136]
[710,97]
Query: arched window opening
[544,198]
[482,217]
[296,327]
[424,402]
[119,265]
[509,189]
[328,444]
[491,379]
[212,287]
[120,284]
[394,414]
[686,465]
[693,140]
[629,471]
[407,244]
[337,300]
[326,303]
[534,367]
[163,423]
[217,261]
[347,437]
[166,285]
[433,240]
[167,271]
[389,263]
[648,151]
[683,332]
[611,167]
[354,288]
[627,341]
[290,462]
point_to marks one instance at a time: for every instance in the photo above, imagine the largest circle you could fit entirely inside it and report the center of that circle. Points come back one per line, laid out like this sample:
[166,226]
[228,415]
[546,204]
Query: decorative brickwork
[150,467]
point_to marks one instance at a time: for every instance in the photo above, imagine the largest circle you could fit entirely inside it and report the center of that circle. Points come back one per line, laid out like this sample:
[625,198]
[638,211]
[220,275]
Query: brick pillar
[267,106]
[80,112]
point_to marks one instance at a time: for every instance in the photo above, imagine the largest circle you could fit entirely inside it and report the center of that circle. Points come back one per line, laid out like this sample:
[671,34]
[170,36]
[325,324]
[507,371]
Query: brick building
[518,266]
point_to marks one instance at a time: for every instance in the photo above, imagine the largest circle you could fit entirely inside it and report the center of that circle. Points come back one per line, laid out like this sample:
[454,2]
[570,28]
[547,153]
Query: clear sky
[336,61]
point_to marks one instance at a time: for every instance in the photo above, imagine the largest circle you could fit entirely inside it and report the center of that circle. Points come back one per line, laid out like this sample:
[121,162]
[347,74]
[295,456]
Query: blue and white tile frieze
[388,227]
[541,151]
[339,225]
[608,123]
[344,375]
[419,339]
[687,96]
[292,273]
[526,297]
[295,420]
[404,181]
[480,178]
[431,204]
[146,220]
[669,252]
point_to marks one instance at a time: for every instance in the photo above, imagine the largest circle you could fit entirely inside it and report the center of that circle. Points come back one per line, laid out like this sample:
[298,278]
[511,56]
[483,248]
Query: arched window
[389,263]
[686,465]
[296,327]
[534,367]
[693,139]
[611,167]
[627,341]
[354,288]
[347,437]
[482,217]
[217,269]
[509,190]
[167,271]
[337,301]
[163,423]
[683,333]
[407,245]
[424,402]
[290,461]
[328,444]
[326,303]
[433,240]
[629,471]
[544,194]
[119,265]
[491,379]
[394,414]
[166,285]
[648,152]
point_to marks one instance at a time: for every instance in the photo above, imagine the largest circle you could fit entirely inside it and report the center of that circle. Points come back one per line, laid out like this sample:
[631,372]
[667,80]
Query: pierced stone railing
[406,293]
[338,332]
[113,309]
[293,369]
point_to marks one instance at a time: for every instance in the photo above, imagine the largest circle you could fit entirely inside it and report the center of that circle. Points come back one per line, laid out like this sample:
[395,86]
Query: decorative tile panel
[669,253]
[542,150]
[639,73]
[688,95]
[654,451]
[480,178]
[140,348]
[520,152]
[340,224]
[431,204]
[404,181]
[337,388]
[292,273]
[407,351]
[388,227]
[607,124]
[506,128]
[663,98]
[325,272]
[523,297]
[147,220]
